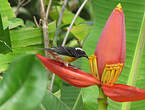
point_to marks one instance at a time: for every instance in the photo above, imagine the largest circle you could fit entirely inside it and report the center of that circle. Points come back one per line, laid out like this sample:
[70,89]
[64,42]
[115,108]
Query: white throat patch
[78,48]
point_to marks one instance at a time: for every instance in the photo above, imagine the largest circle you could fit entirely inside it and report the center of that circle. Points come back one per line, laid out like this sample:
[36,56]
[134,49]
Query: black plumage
[66,54]
[68,51]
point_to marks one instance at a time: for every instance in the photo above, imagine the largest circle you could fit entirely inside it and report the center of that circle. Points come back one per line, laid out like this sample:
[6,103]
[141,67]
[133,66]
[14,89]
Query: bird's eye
[83,52]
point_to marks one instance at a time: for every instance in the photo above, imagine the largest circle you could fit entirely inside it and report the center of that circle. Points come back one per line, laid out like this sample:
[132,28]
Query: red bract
[110,56]
[106,65]
[124,93]
[75,77]
[111,45]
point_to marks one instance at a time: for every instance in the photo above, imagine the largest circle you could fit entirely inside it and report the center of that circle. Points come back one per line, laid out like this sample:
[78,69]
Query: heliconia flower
[106,65]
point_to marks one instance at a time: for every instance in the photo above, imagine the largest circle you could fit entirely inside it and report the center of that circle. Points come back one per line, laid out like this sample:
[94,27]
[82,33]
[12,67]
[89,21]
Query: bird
[66,54]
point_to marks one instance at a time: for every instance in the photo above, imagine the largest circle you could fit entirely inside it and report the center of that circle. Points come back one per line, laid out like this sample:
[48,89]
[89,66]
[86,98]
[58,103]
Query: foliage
[23,84]
[24,80]
[5,43]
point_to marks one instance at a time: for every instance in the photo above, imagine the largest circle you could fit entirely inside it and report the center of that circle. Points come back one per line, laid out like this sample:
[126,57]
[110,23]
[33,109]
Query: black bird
[66,54]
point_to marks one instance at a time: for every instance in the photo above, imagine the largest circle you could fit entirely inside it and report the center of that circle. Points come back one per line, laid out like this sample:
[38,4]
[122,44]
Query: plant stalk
[75,17]
[48,8]
[60,19]
[44,26]
[102,100]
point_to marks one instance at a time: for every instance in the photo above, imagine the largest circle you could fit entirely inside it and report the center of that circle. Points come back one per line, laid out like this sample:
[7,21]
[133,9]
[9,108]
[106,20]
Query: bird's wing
[51,51]
[67,51]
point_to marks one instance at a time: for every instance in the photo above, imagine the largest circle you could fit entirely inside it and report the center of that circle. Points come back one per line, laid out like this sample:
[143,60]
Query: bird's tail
[50,51]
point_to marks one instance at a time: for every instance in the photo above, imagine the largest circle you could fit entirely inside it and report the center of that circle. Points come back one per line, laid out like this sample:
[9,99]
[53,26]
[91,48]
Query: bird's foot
[62,64]
[74,67]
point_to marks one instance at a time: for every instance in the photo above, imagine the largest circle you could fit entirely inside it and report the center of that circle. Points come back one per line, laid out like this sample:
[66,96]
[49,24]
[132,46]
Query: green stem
[102,100]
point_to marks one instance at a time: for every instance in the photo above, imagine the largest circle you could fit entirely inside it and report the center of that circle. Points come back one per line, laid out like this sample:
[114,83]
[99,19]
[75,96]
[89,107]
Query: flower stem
[102,100]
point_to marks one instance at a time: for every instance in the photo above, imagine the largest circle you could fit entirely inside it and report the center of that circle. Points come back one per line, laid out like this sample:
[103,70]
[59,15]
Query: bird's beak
[86,56]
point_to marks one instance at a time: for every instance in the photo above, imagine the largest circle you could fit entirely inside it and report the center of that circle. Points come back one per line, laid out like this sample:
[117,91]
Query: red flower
[106,65]
[75,77]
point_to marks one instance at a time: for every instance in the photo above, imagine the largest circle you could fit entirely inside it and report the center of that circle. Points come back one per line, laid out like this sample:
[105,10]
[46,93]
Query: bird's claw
[74,67]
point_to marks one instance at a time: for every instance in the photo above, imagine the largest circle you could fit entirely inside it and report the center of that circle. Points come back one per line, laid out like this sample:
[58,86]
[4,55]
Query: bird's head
[81,52]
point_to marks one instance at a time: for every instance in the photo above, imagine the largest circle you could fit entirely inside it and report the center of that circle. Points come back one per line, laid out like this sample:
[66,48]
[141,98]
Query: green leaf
[78,105]
[25,37]
[5,9]
[24,41]
[30,23]
[134,12]
[30,36]
[5,43]
[5,59]
[72,97]
[6,12]
[90,95]
[51,102]
[136,69]
[67,16]
[81,31]
[24,84]
[54,3]
[72,43]
[12,22]
[51,30]
[58,94]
